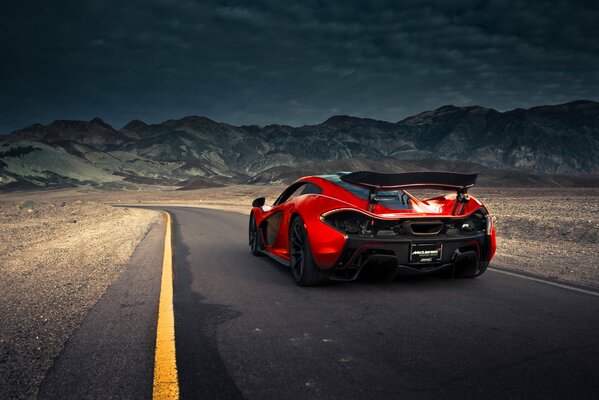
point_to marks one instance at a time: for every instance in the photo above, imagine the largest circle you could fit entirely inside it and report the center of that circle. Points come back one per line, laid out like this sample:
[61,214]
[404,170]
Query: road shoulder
[111,355]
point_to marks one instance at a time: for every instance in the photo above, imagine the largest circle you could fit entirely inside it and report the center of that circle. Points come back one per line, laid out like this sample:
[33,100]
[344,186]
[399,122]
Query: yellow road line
[166,382]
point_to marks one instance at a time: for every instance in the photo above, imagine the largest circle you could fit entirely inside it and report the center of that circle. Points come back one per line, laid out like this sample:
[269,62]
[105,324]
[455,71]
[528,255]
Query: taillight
[349,222]
[473,223]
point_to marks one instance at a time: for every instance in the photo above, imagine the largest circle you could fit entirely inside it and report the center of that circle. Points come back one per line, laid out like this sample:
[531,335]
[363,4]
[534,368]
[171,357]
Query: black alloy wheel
[254,237]
[303,268]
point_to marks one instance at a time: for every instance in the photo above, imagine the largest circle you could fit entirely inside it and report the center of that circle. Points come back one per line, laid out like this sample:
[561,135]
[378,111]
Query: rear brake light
[349,222]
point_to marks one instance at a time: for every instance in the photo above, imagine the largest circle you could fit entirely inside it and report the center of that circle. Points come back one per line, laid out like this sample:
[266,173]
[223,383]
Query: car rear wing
[405,180]
[376,181]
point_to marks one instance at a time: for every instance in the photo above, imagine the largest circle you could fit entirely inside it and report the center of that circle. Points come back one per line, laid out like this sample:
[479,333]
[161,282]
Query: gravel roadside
[549,233]
[56,261]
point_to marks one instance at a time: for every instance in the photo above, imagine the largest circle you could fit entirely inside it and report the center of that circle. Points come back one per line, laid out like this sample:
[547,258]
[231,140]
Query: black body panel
[361,252]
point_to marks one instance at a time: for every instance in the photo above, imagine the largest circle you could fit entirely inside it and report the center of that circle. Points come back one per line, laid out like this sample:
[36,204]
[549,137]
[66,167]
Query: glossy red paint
[327,243]
[493,241]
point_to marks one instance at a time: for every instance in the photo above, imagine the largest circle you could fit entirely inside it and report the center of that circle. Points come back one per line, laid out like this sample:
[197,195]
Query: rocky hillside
[558,140]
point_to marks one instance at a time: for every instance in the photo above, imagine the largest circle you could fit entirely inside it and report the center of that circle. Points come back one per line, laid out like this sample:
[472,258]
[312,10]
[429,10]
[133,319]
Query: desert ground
[61,249]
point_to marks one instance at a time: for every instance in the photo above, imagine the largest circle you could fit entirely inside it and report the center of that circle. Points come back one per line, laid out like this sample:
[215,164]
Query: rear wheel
[254,237]
[469,266]
[303,268]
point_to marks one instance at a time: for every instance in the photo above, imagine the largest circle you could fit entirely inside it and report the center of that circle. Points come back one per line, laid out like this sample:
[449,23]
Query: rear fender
[326,243]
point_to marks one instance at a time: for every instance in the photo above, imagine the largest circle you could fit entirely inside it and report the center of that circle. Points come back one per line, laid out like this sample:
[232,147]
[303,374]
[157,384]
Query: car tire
[303,268]
[482,267]
[470,267]
[254,237]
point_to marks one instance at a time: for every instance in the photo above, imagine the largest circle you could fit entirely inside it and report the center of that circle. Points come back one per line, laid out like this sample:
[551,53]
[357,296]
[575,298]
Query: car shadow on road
[202,372]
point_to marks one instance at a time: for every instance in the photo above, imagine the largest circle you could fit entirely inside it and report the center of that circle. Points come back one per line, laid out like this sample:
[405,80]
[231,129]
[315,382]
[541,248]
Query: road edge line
[547,282]
[166,380]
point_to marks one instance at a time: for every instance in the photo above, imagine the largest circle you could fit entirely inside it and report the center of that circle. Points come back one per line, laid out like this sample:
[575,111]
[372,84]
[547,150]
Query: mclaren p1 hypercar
[335,226]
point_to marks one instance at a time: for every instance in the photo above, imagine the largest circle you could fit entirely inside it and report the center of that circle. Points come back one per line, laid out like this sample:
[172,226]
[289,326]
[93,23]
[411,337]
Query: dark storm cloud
[289,61]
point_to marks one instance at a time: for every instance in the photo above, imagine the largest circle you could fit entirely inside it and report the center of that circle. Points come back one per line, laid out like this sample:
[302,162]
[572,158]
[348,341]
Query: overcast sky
[292,62]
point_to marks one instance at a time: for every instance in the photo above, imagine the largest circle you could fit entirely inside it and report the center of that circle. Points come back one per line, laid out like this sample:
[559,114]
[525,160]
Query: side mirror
[259,202]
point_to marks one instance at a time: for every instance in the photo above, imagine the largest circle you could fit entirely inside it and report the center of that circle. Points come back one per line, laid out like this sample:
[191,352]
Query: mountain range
[545,145]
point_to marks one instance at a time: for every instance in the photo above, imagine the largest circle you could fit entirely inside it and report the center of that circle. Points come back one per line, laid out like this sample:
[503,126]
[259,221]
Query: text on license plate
[426,253]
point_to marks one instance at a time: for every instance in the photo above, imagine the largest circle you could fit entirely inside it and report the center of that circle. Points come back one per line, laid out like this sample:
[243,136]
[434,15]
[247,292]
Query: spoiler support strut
[461,199]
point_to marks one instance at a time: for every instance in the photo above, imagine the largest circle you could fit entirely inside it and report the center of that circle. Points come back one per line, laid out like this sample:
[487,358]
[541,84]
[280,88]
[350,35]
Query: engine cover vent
[425,228]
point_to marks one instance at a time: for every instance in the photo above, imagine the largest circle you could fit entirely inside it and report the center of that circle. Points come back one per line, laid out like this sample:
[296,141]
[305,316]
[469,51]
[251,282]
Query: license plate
[426,253]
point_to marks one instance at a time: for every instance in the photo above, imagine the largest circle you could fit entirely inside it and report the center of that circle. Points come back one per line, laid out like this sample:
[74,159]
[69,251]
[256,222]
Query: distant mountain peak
[94,132]
[100,122]
[578,105]
[69,124]
[452,108]
[133,129]
[197,119]
[447,107]
[134,125]
[341,120]
[446,111]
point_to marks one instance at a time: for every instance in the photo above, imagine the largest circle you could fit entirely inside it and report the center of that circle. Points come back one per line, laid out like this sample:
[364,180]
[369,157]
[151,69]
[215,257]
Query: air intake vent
[426,227]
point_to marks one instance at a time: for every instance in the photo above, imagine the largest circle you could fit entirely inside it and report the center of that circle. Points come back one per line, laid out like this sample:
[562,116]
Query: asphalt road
[244,330]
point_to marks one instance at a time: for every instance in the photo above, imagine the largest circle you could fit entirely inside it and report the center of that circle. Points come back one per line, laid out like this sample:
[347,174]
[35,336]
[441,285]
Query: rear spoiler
[420,180]
[376,181]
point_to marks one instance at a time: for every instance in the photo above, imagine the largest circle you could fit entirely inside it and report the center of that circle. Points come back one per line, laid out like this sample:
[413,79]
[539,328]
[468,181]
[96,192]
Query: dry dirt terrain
[61,249]
[548,232]
[56,260]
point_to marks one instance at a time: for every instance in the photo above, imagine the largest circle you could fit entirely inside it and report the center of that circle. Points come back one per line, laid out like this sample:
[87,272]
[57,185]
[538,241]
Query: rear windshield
[392,199]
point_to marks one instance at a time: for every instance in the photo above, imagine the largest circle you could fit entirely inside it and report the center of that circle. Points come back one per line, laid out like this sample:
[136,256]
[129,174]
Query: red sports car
[335,226]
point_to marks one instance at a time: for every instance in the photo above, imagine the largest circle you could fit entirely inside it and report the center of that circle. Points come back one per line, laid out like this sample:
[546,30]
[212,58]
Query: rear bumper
[364,252]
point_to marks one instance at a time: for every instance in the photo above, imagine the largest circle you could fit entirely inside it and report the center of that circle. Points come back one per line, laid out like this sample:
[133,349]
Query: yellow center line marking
[166,382]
